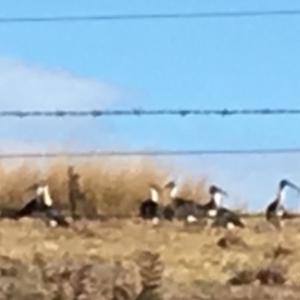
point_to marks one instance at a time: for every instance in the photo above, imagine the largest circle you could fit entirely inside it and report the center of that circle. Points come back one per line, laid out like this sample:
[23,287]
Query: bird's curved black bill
[293,186]
[32,187]
[170,185]
[224,193]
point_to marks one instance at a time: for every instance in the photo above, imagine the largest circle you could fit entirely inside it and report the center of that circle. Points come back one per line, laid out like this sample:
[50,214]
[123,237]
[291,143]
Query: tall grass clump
[110,185]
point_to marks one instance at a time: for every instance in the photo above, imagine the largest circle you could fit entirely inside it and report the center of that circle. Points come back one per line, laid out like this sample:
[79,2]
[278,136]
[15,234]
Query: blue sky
[199,63]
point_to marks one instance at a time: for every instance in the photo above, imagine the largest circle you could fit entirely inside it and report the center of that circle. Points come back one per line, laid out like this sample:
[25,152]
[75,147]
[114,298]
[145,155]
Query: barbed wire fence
[152,16]
[152,153]
[136,112]
[96,113]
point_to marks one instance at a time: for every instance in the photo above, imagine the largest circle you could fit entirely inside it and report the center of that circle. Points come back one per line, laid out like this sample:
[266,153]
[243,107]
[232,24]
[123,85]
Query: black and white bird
[38,203]
[215,202]
[41,206]
[150,209]
[35,205]
[183,209]
[222,216]
[275,211]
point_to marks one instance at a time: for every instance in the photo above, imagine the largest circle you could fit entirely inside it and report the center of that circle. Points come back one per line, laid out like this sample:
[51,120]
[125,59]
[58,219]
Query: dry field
[82,262]
[103,259]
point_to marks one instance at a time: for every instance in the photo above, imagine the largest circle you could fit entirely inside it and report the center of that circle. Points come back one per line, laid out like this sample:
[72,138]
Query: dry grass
[90,253]
[110,185]
[101,260]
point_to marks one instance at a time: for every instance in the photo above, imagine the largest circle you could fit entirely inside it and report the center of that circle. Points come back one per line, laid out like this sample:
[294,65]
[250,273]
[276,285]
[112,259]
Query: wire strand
[147,112]
[158,16]
[98,153]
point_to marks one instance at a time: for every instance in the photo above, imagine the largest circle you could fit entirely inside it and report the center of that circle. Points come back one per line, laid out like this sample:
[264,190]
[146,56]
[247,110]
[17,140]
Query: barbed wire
[147,112]
[98,153]
[154,16]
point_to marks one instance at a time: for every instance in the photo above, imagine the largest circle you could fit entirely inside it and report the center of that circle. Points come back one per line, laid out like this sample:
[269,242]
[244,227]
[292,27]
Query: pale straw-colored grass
[111,185]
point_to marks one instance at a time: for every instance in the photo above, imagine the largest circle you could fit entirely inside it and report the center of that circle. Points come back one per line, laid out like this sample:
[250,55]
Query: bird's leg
[280,233]
[209,226]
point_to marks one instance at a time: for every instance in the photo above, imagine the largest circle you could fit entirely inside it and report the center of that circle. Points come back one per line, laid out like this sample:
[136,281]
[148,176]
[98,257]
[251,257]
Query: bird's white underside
[53,223]
[230,226]
[212,213]
[191,219]
[280,213]
[155,221]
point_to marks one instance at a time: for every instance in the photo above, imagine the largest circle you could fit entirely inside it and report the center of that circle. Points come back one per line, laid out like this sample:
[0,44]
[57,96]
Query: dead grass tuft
[110,186]
[273,275]
[266,276]
[281,251]
[243,277]
[231,241]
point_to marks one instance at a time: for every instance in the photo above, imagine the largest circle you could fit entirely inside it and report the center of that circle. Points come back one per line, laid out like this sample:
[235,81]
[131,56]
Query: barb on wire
[147,112]
[154,16]
[98,153]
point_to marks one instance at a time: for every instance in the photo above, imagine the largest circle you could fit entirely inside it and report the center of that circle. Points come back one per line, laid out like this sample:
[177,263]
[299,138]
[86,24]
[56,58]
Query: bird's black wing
[272,207]
[54,214]
[29,208]
[8,213]
[230,217]
[149,209]
[211,205]
[185,207]
[168,212]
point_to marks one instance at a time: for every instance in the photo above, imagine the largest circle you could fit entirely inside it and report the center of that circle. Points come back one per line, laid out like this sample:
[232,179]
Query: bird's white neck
[217,198]
[173,192]
[281,194]
[154,194]
[47,199]
[40,191]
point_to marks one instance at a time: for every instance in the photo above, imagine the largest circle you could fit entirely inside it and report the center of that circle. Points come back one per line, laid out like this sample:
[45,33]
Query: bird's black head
[283,183]
[32,187]
[154,186]
[39,184]
[170,185]
[214,189]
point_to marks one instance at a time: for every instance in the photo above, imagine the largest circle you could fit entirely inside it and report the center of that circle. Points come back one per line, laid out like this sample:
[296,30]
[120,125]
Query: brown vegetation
[116,259]
[112,186]
[130,259]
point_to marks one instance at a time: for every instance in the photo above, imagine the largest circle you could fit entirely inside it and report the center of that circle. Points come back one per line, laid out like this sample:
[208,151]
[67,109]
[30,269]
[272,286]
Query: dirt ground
[92,258]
